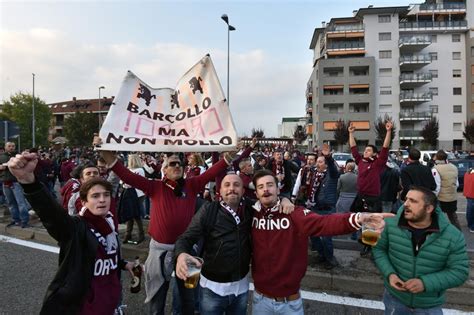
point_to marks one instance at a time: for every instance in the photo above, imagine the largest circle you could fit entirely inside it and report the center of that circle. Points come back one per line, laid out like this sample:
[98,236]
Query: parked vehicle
[463,166]
[341,158]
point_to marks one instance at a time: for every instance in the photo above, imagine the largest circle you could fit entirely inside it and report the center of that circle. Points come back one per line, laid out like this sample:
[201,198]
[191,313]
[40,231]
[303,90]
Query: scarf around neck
[105,227]
[176,186]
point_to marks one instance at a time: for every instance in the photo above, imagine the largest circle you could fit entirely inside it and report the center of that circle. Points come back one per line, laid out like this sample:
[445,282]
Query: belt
[285,299]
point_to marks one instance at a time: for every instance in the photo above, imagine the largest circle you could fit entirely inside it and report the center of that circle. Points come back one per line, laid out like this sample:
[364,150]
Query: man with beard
[280,246]
[282,169]
[225,228]
[304,180]
[420,255]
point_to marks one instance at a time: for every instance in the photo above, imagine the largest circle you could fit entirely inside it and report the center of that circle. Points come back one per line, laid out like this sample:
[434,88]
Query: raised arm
[388,135]
[54,218]
[351,129]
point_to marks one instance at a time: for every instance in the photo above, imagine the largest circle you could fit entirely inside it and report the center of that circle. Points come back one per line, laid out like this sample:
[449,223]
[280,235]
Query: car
[463,166]
[341,158]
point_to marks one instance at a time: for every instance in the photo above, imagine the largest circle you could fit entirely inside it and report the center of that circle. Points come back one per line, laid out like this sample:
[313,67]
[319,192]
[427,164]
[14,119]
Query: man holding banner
[194,117]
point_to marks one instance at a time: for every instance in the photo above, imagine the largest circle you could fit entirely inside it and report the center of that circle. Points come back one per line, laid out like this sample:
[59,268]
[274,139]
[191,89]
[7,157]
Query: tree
[20,108]
[300,134]
[258,132]
[380,129]
[430,132]
[469,131]
[341,134]
[79,128]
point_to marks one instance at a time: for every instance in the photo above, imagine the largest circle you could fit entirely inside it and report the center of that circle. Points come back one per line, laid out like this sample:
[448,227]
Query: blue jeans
[265,306]
[214,304]
[323,244]
[395,307]
[470,213]
[16,202]
[185,296]
[176,305]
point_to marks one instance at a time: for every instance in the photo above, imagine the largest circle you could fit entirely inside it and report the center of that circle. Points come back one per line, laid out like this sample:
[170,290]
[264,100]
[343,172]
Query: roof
[85,105]
[317,31]
[292,119]
[400,10]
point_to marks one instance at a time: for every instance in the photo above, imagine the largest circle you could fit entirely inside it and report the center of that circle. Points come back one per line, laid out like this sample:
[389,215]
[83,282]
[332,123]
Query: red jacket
[468,190]
[280,246]
[169,215]
[368,179]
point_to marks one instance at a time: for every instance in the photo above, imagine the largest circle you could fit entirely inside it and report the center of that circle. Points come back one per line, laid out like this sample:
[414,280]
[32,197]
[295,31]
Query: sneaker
[13,223]
[25,225]
[471,230]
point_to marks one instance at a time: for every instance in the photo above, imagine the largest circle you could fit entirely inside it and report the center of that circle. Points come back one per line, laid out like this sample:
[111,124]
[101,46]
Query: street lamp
[229,29]
[33,123]
[100,117]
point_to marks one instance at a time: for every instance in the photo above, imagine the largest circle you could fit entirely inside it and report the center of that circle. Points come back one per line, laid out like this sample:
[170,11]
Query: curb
[353,281]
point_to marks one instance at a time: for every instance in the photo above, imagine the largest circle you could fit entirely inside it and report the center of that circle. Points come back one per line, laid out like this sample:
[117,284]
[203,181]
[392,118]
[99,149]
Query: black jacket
[288,167]
[416,174]
[77,253]
[226,247]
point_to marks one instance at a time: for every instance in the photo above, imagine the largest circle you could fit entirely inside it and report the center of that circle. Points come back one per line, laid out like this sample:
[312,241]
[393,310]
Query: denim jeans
[470,213]
[214,304]
[323,244]
[16,202]
[176,305]
[265,306]
[395,307]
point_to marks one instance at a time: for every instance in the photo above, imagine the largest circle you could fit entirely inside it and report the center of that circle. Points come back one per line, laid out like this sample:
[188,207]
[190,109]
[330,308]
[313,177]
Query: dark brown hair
[85,187]
[262,173]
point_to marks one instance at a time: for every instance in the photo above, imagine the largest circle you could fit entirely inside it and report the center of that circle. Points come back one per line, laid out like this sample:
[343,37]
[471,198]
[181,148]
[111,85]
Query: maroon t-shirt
[105,289]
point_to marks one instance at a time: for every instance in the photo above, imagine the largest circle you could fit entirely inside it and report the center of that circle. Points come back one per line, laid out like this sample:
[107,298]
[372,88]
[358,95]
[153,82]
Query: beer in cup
[193,272]
[370,236]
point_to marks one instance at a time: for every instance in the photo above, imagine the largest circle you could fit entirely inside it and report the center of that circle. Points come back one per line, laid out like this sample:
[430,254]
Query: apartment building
[65,109]
[409,62]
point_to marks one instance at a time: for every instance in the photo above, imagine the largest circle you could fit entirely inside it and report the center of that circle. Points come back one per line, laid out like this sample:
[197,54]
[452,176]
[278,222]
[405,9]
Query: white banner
[192,118]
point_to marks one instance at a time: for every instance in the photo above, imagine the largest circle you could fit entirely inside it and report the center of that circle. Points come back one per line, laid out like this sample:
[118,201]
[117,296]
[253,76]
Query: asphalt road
[26,272]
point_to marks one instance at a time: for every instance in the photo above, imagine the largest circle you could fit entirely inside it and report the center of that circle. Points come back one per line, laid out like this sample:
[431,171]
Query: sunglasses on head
[175,164]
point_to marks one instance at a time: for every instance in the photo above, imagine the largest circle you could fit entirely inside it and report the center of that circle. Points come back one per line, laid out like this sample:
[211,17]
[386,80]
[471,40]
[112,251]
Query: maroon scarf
[96,222]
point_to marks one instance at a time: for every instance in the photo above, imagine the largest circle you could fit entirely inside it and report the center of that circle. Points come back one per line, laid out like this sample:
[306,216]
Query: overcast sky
[74,47]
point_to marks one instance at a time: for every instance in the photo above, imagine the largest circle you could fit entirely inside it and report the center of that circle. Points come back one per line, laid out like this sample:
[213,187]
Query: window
[434,56]
[385,108]
[456,38]
[434,73]
[457,108]
[385,90]
[359,108]
[385,54]
[457,126]
[472,51]
[434,109]
[456,73]
[385,18]
[457,91]
[385,36]
[434,38]
[472,69]
[434,90]
[385,72]
[456,55]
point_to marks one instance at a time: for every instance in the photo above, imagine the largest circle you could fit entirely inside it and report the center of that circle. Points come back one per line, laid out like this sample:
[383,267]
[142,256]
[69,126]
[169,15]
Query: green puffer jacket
[441,263]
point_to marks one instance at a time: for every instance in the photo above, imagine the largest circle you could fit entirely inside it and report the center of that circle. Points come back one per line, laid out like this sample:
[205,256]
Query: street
[26,273]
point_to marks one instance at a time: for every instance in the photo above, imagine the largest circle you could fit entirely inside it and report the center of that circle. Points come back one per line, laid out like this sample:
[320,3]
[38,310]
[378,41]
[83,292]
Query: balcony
[345,30]
[410,135]
[413,43]
[411,80]
[336,48]
[460,25]
[415,98]
[415,116]
[309,107]
[412,62]
[443,7]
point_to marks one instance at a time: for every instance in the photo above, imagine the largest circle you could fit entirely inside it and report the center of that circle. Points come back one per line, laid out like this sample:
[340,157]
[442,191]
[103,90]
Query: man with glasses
[173,200]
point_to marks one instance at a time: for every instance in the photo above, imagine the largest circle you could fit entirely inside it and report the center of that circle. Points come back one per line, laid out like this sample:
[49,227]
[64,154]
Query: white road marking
[47,248]
[307,295]
[362,303]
